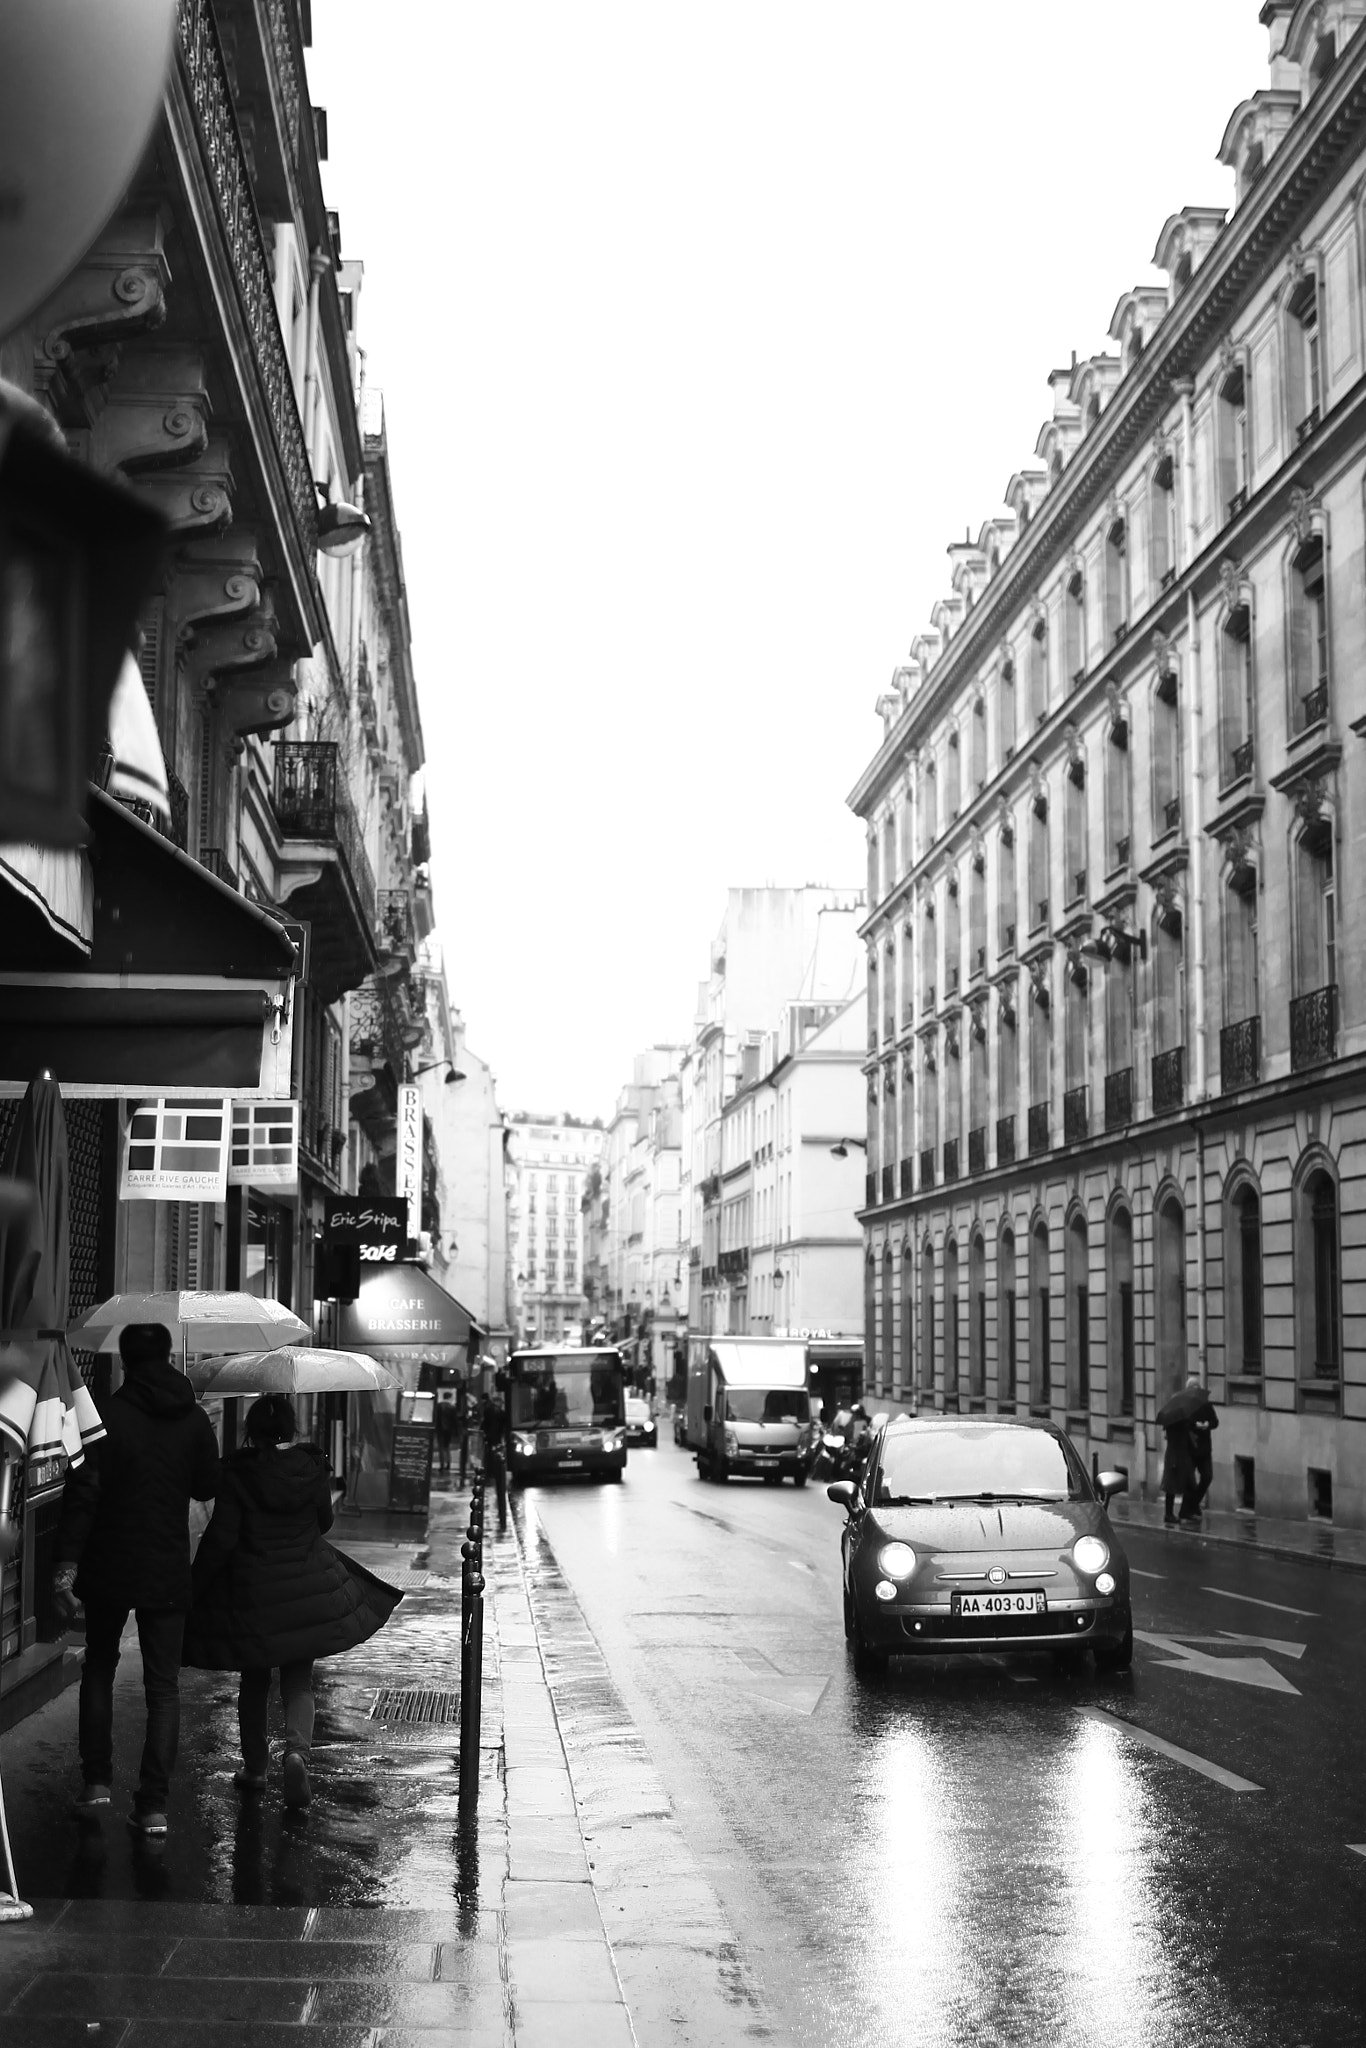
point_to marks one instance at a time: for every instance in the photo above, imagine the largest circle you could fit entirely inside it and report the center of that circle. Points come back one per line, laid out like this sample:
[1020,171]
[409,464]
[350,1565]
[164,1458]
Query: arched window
[888,1361]
[1318,1290]
[1169,1282]
[1040,1321]
[977,1320]
[1235,693]
[1302,366]
[1118,795]
[1116,583]
[1162,523]
[1077,1258]
[1120,1351]
[953,938]
[1005,712]
[1037,654]
[1007,909]
[951,1319]
[977,741]
[1232,447]
[1074,629]
[1243,1281]
[1308,633]
[1166,755]
[1007,1341]
[927,1352]
[977,919]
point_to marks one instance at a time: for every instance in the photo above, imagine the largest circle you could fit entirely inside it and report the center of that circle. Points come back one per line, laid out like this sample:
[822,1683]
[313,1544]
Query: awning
[179,987]
[404,1317]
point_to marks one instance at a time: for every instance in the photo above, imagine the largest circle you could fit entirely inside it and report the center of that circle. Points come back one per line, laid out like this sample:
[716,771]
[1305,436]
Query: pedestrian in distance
[494,1423]
[1182,1418]
[270,1594]
[123,1545]
[1203,1424]
[447,1424]
[462,1429]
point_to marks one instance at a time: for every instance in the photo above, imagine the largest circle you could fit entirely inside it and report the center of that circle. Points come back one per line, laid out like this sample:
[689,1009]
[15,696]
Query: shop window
[1041,1329]
[927,1356]
[977,1318]
[951,1316]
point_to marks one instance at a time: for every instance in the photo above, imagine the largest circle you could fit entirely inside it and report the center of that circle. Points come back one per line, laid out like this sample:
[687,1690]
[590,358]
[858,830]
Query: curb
[1250,1547]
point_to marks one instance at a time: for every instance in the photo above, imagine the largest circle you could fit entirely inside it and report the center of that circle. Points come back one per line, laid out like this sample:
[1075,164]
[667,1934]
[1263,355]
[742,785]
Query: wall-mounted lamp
[342,527]
[452,1073]
[841,1150]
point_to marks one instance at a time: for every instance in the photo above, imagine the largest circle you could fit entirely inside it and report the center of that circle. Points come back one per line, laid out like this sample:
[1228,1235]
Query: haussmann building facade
[1117,1015]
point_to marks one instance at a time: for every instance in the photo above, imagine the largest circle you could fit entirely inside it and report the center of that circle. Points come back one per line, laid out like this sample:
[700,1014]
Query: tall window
[1118,796]
[1040,1319]
[1038,673]
[1232,445]
[953,938]
[1169,983]
[907,1322]
[1007,1341]
[907,1117]
[1119,1028]
[889,990]
[1316,909]
[1241,998]
[888,851]
[930,805]
[1005,711]
[1074,832]
[1077,1257]
[1038,864]
[1318,1291]
[1007,1071]
[1040,1056]
[1007,910]
[1162,523]
[951,1313]
[1120,1311]
[953,778]
[888,1360]
[1074,629]
[977,742]
[907,973]
[1166,755]
[1116,584]
[977,1318]
[928,992]
[1235,693]
[1302,362]
[874,893]
[888,1114]
[927,1352]
[977,1080]
[874,1012]
[1243,1281]
[1308,626]
[977,918]
[1077,1034]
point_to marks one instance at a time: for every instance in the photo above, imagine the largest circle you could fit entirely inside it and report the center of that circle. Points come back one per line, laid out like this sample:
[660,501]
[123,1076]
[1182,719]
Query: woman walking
[271,1595]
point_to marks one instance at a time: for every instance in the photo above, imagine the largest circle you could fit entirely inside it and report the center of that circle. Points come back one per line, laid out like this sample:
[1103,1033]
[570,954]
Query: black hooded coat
[268,1590]
[125,1509]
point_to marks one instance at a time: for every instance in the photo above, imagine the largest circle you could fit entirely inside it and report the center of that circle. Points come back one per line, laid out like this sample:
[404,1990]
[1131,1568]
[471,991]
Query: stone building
[644,1250]
[1117,1024]
[549,1159]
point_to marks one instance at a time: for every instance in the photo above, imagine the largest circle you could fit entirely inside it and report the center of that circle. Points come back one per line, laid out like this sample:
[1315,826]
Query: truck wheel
[720,1471]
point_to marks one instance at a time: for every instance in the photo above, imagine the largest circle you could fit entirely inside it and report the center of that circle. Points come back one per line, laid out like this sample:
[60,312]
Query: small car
[641,1427]
[981,1533]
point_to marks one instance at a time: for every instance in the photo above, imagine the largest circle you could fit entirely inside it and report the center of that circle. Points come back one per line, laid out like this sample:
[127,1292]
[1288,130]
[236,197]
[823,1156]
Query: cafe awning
[144,975]
[404,1317]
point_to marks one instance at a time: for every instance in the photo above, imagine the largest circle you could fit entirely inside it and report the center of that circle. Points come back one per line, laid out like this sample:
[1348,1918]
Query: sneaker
[147,1823]
[298,1791]
[250,1781]
[92,1800]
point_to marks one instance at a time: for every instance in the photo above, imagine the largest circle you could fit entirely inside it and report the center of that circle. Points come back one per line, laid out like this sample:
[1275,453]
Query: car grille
[972,1627]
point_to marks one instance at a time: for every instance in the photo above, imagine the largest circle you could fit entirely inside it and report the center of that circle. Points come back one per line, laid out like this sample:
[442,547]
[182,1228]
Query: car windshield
[978,1464]
[757,1404]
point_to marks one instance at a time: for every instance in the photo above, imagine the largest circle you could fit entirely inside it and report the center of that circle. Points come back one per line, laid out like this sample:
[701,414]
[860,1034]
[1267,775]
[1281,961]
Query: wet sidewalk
[1292,1542]
[574,1914]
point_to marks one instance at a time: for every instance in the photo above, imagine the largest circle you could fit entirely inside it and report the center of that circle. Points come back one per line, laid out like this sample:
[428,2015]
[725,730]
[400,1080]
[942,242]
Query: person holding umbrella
[271,1595]
[1187,1418]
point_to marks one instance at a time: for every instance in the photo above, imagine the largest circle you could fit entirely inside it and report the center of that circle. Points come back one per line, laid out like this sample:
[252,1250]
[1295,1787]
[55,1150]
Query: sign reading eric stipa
[264,1147]
[175,1151]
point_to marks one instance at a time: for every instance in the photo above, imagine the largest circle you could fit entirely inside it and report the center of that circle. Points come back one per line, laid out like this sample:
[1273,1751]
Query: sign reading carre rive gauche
[371,1221]
[264,1147]
[175,1151]
[410,1155]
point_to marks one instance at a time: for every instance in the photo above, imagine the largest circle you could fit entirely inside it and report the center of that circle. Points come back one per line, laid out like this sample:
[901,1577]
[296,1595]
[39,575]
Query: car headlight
[897,1560]
[1090,1555]
[1105,1582]
[732,1444]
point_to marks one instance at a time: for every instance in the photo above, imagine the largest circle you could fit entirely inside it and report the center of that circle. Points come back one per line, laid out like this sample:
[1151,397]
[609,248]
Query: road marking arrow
[797,1695]
[1235,1670]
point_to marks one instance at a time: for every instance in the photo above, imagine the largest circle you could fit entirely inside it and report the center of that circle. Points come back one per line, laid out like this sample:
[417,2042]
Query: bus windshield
[572,1390]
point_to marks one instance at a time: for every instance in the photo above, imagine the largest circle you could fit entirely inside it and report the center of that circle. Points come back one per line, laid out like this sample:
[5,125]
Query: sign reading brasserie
[410,1155]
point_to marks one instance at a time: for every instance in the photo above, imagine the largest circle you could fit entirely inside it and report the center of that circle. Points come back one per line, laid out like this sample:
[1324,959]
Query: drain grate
[412,1703]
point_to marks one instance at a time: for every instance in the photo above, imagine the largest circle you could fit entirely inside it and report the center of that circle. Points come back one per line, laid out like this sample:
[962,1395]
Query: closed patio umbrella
[46,1407]
[198,1319]
[292,1369]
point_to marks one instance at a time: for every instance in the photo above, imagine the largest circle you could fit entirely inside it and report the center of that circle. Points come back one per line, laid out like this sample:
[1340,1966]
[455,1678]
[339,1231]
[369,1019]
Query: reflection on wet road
[995,1850]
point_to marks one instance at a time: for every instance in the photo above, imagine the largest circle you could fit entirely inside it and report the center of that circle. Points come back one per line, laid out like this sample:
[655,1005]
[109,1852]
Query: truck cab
[749,1412]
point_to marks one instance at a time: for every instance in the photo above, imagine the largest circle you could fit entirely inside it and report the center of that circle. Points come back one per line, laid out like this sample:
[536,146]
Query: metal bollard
[471,1673]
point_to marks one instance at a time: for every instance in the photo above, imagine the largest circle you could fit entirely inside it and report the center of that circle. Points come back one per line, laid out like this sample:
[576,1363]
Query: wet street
[994,1851]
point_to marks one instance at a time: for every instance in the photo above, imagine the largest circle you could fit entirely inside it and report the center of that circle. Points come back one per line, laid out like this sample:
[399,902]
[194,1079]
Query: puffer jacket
[268,1590]
[125,1509]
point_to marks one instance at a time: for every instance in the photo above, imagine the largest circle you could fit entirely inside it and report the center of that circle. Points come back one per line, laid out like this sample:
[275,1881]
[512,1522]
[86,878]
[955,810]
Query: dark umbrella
[1182,1406]
[47,1407]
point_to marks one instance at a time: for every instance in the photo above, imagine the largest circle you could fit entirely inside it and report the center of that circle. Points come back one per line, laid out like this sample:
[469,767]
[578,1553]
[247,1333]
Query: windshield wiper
[909,1500]
[1017,1495]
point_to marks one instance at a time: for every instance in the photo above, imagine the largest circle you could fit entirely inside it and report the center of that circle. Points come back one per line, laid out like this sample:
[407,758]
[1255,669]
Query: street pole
[471,1651]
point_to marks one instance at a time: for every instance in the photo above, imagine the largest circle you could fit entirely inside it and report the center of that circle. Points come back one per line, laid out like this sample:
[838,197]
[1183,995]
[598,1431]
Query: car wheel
[799,1478]
[1116,1656]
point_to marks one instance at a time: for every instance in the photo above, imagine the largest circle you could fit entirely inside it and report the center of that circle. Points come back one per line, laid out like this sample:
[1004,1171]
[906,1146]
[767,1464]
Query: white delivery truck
[748,1408]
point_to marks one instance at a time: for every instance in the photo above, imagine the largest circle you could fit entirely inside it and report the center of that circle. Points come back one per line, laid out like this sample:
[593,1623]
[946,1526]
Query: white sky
[702,331]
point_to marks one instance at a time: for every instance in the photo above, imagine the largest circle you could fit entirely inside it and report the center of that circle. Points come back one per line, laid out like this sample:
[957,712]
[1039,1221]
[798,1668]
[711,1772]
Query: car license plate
[764,1463]
[996,1603]
[570,1458]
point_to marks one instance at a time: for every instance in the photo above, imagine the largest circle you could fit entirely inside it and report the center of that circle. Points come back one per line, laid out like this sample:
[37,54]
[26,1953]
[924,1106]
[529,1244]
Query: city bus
[566,1413]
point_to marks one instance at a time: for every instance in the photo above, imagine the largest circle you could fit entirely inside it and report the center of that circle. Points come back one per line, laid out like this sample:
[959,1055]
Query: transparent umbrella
[197,1318]
[292,1369]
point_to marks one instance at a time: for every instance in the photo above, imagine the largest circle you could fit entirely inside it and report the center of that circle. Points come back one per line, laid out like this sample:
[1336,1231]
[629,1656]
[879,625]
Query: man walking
[446,1420]
[123,1543]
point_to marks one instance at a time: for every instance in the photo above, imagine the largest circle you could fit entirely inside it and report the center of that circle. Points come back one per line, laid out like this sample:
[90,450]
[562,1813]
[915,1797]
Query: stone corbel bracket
[214,577]
[119,290]
[247,641]
[197,496]
[155,413]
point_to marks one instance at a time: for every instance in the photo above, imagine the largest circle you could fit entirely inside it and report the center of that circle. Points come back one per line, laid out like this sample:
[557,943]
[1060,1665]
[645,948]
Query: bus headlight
[523,1446]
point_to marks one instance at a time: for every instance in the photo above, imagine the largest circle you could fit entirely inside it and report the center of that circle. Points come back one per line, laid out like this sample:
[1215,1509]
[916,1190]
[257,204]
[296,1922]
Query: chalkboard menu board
[410,1468]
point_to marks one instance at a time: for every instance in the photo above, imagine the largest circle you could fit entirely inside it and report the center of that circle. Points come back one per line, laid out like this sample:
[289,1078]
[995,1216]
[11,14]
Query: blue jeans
[253,1713]
[161,1632]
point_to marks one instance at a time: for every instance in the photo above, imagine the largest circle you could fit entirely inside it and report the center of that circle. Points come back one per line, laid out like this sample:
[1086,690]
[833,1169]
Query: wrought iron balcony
[1241,758]
[396,931]
[313,803]
[1005,1140]
[907,1176]
[1171,813]
[1076,1121]
[950,1160]
[1313,1027]
[179,832]
[927,1167]
[977,1149]
[888,1183]
[1313,707]
[1038,1126]
[1119,1098]
[733,1263]
[1240,1054]
[1169,1079]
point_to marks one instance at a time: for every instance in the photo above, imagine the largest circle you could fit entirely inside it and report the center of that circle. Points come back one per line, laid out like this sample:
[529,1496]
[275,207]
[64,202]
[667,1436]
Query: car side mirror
[1108,1483]
[844,1493]
[706,1413]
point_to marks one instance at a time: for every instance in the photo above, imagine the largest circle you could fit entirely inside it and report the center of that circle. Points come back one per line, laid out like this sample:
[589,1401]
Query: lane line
[1135,1573]
[1309,1613]
[1357,1848]
[1229,1779]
